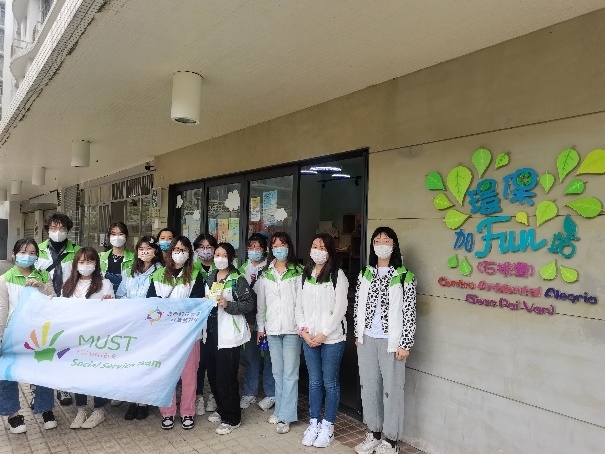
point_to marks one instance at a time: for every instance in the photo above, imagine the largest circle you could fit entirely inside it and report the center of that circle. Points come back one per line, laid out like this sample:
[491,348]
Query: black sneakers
[168,422]
[17,424]
[49,420]
[64,398]
[187,422]
[131,413]
[142,412]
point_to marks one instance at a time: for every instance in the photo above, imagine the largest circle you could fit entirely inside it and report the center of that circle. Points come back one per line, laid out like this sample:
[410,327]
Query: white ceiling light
[341,175]
[186,97]
[3,195]
[39,176]
[80,153]
[15,187]
[308,172]
[326,169]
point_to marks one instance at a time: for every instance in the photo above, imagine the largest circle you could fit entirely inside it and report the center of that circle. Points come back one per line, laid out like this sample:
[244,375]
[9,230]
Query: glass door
[272,202]
[223,210]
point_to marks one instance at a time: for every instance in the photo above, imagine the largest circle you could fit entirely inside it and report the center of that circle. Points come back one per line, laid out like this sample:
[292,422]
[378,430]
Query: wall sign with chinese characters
[506,208]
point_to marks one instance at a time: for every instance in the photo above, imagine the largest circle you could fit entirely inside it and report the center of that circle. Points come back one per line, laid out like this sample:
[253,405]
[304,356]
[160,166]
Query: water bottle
[263,344]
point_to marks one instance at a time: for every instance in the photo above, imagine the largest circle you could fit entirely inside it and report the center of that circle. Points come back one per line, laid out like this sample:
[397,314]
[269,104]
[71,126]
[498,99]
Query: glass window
[191,219]
[133,221]
[270,208]
[224,213]
[146,221]
[93,226]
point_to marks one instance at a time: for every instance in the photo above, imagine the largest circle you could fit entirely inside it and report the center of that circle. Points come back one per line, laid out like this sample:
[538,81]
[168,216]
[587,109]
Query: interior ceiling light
[326,169]
[186,97]
[39,176]
[308,172]
[15,187]
[341,175]
[80,153]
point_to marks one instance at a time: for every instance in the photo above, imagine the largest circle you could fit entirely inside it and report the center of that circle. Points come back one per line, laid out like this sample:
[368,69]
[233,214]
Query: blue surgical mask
[255,256]
[25,260]
[164,245]
[280,253]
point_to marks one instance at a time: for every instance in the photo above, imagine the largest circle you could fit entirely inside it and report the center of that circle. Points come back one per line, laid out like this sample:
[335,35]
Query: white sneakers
[385,448]
[311,433]
[79,419]
[368,445]
[199,406]
[267,403]
[115,403]
[282,427]
[245,401]
[95,418]
[319,435]
[211,403]
[214,417]
[225,429]
[325,436]
[273,419]
[81,422]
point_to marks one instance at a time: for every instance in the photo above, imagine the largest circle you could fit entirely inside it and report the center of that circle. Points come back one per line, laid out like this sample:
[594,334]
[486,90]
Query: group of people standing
[268,310]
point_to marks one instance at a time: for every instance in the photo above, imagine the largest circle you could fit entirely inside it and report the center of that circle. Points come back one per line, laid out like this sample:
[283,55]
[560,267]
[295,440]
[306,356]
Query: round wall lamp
[39,176]
[80,153]
[186,97]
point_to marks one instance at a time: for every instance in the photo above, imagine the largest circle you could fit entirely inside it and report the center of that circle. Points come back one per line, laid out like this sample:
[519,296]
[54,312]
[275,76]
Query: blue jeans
[285,358]
[323,364]
[82,400]
[253,362]
[44,399]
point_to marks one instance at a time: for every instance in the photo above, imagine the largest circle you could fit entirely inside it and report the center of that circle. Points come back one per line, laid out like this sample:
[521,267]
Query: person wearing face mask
[320,315]
[56,257]
[164,239]
[277,290]
[254,360]
[135,284]
[225,332]
[86,282]
[179,279]
[12,283]
[385,324]
[118,259]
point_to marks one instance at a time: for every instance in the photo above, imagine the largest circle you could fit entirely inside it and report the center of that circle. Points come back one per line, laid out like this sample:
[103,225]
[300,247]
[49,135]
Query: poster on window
[234,232]
[269,207]
[255,209]
[212,227]
[223,230]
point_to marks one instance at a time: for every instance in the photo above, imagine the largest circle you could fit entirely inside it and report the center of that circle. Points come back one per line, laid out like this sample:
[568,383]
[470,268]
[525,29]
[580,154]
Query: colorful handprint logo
[48,353]
[154,315]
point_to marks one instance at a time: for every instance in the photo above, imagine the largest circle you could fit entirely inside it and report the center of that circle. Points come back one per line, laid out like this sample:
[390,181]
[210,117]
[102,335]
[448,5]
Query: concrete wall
[479,380]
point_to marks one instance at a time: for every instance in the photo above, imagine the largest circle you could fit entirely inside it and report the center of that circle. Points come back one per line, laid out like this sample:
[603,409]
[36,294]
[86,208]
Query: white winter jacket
[321,308]
[276,300]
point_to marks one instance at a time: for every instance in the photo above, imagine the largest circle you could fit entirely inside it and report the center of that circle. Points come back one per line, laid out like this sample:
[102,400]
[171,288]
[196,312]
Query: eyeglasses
[176,249]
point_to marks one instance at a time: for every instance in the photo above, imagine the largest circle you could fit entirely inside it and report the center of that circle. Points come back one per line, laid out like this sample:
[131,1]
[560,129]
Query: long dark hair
[86,253]
[170,265]
[138,264]
[330,268]
[284,238]
[395,260]
[230,250]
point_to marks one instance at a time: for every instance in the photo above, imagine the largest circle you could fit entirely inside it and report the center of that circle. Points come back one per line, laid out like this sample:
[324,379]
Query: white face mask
[86,270]
[318,256]
[117,241]
[221,262]
[180,257]
[57,236]
[383,251]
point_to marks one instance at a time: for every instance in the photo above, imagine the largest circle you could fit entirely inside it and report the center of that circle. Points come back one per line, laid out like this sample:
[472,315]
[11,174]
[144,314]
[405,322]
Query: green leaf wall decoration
[501,160]
[594,162]
[575,187]
[545,211]
[481,160]
[549,271]
[434,182]
[521,217]
[458,181]
[587,207]
[566,162]
[465,267]
[452,262]
[441,202]
[547,180]
[569,275]
[454,219]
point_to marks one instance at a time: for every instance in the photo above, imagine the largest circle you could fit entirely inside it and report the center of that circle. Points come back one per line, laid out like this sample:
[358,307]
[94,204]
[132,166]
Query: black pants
[81,399]
[201,371]
[222,368]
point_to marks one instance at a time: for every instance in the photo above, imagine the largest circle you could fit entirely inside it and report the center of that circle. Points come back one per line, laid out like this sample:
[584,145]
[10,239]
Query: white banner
[132,350]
